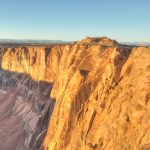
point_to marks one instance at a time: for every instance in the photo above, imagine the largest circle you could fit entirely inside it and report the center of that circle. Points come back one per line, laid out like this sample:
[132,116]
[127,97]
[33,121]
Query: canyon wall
[24,111]
[25,104]
[40,62]
[102,99]
[101,92]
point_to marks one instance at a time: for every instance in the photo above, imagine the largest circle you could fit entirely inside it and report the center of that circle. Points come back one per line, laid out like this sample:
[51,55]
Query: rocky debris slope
[24,111]
[101,89]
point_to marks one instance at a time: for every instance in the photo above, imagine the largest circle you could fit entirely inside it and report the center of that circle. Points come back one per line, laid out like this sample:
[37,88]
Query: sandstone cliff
[38,61]
[101,90]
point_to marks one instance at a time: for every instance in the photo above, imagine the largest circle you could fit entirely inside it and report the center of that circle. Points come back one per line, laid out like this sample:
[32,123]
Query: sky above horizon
[123,20]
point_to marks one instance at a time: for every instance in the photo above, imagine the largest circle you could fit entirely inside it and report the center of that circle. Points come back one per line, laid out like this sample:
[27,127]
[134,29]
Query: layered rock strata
[101,92]
[102,97]
[24,111]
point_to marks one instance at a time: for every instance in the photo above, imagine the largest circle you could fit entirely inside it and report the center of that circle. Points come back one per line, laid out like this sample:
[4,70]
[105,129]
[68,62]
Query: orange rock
[102,93]
[102,99]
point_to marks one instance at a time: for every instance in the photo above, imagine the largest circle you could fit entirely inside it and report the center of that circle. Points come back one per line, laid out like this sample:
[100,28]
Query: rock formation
[101,92]
[38,61]
[24,111]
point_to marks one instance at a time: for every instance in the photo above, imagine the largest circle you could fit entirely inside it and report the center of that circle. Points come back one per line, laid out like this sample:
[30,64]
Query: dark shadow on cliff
[30,101]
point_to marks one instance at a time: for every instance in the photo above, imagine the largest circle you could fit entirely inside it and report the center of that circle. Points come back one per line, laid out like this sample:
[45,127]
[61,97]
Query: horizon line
[32,39]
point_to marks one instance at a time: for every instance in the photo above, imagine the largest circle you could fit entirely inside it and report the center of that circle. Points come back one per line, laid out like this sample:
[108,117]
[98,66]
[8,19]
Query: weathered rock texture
[102,99]
[25,105]
[24,111]
[39,62]
[102,93]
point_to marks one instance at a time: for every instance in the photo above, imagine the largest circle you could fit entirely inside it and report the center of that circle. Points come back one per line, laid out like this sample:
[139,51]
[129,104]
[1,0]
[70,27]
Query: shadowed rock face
[24,111]
[101,89]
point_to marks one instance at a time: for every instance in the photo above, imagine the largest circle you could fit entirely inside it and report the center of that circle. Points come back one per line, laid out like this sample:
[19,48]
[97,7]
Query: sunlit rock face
[102,97]
[99,40]
[101,92]
[40,62]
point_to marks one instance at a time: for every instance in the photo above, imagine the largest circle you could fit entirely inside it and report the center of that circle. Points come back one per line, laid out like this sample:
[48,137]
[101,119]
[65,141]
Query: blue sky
[123,20]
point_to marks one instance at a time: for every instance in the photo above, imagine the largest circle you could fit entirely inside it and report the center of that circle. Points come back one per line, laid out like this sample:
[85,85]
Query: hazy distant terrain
[14,42]
[47,42]
[30,41]
[136,43]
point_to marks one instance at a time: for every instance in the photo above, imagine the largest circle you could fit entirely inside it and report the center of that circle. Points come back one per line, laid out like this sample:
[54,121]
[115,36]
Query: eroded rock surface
[102,99]
[101,92]
[24,111]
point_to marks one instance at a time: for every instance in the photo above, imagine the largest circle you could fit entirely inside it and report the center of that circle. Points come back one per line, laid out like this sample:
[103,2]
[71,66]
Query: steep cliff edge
[102,99]
[40,62]
[101,90]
